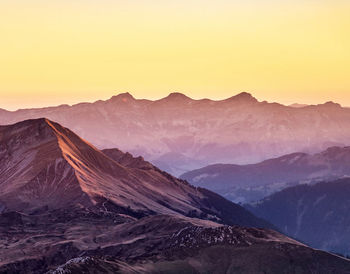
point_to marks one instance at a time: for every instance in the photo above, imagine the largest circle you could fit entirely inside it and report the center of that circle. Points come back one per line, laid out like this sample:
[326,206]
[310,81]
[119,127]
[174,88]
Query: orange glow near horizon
[55,52]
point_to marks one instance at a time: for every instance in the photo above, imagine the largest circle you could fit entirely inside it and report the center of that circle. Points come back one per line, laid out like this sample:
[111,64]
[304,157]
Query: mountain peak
[39,127]
[45,166]
[177,96]
[243,97]
[123,97]
[331,104]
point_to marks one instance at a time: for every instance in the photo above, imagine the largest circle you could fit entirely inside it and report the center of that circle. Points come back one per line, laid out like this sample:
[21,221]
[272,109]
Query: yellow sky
[66,51]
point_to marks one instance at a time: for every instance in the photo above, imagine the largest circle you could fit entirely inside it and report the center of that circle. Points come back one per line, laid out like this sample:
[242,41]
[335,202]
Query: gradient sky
[67,51]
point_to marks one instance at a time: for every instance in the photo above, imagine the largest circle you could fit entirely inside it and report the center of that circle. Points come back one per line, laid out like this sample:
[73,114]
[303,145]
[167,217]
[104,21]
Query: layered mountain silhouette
[247,183]
[180,134]
[67,207]
[316,214]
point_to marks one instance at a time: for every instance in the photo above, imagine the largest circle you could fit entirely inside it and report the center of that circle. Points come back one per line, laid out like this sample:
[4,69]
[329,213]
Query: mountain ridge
[239,129]
[45,165]
[273,174]
[127,95]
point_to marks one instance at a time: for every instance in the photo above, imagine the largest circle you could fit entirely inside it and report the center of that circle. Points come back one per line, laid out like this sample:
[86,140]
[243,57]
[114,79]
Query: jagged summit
[332,104]
[242,98]
[176,97]
[126,159]
[327,105]
[123,97]
[43,163]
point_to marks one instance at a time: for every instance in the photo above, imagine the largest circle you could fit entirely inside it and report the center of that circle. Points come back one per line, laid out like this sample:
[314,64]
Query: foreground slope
[76,242]
[316,214]
[179,134]
[246,183]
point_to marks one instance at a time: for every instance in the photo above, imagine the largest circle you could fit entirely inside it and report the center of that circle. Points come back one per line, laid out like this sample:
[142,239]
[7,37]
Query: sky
[68,51]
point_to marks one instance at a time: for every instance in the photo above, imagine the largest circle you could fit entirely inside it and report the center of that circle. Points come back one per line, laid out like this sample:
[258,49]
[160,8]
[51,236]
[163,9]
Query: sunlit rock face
[45,166]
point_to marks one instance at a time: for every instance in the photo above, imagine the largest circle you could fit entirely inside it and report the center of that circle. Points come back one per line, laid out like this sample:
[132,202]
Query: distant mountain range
[248,183]
[68,207]
[316,214]
[180,134]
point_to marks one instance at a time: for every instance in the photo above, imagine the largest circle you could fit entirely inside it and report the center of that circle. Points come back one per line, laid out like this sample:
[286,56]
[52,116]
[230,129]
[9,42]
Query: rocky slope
[247,183]
[62,242]
[315,214]
[179,134]
[46,166]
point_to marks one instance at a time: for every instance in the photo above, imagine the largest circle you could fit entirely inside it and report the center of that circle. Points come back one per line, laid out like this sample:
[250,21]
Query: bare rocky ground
[83,241]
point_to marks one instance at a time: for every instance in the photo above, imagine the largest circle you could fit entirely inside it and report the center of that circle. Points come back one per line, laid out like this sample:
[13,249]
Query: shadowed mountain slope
[315,214]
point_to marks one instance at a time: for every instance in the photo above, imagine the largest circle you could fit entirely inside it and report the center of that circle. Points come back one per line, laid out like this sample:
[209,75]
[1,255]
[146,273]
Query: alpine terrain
[67,207]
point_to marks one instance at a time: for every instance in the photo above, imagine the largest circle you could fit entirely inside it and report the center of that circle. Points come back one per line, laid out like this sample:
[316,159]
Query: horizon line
[243,93]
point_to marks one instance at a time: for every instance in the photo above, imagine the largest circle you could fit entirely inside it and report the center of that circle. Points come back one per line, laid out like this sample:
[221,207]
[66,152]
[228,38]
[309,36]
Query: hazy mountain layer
[179,134]
[246,183]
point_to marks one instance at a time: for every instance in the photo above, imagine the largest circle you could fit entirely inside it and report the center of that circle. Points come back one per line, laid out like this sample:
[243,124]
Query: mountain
[67,207]
[180,134]
[247,183]
[44,166]
[315,214]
